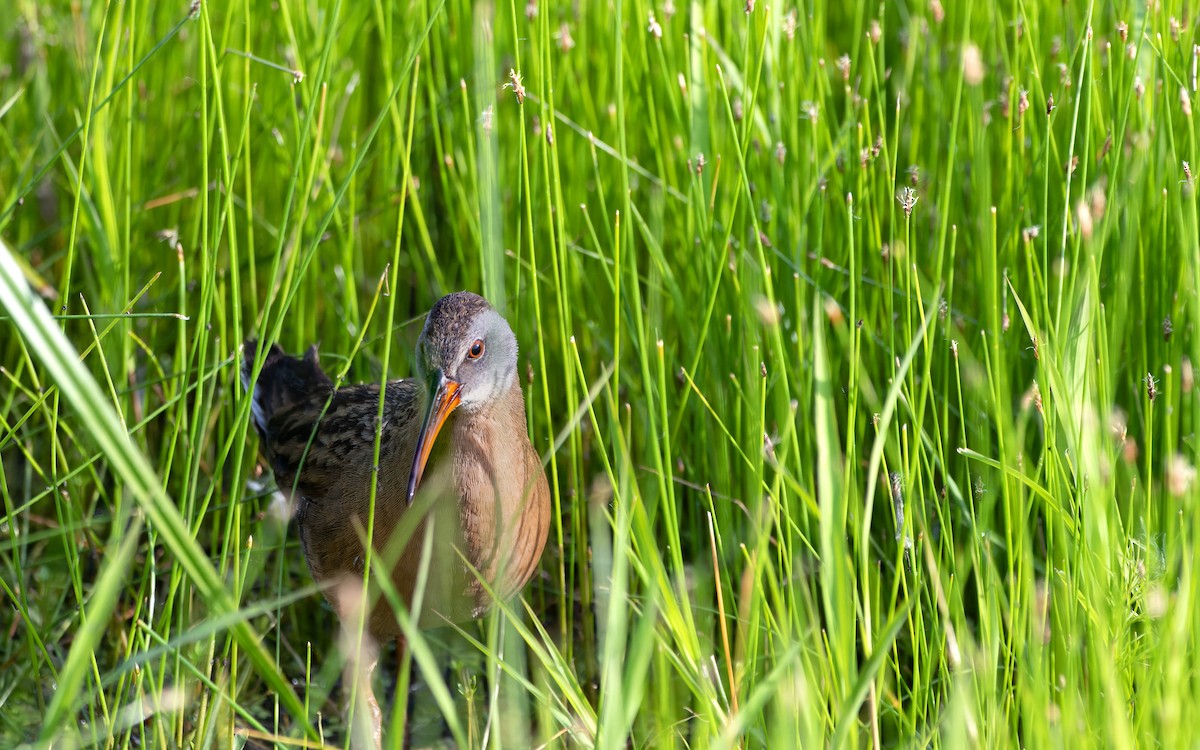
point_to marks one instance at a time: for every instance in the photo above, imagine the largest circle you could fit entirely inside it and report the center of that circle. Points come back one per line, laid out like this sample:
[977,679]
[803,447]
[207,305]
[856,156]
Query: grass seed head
[768,314]
[843,66]
[563,36]
[789,24]
[1083,216]
[1181,475]
[516,84]
[972,65]
[654,27]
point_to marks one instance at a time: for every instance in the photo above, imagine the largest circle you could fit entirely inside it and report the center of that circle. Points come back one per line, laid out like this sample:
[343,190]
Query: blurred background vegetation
[858,338]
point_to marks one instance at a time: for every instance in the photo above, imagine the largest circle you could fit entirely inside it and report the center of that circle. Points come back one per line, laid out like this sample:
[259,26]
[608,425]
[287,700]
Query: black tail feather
[283,381]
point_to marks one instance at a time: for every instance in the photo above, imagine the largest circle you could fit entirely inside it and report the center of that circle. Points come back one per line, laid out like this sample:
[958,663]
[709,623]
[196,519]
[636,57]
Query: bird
[453,449]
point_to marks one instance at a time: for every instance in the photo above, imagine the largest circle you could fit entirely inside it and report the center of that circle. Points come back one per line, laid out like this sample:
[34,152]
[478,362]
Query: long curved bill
[445,400]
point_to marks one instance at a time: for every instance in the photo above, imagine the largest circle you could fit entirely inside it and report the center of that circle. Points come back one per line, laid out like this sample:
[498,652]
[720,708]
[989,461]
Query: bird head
[467,358]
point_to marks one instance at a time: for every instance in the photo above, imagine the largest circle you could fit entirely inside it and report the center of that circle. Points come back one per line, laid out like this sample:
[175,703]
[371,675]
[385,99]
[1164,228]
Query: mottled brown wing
[312,433]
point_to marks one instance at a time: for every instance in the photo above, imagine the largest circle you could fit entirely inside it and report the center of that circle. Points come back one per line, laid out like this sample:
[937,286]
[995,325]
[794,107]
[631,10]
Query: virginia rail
[456,430]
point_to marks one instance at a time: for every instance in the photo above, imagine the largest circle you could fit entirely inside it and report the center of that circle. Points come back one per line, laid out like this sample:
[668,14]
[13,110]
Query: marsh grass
[863,373]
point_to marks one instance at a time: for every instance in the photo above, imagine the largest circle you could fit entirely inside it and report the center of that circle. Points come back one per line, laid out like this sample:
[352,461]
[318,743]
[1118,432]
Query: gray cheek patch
[500,362]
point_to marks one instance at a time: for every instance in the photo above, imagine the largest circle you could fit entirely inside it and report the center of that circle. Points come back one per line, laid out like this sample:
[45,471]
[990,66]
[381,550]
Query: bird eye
[476,350]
